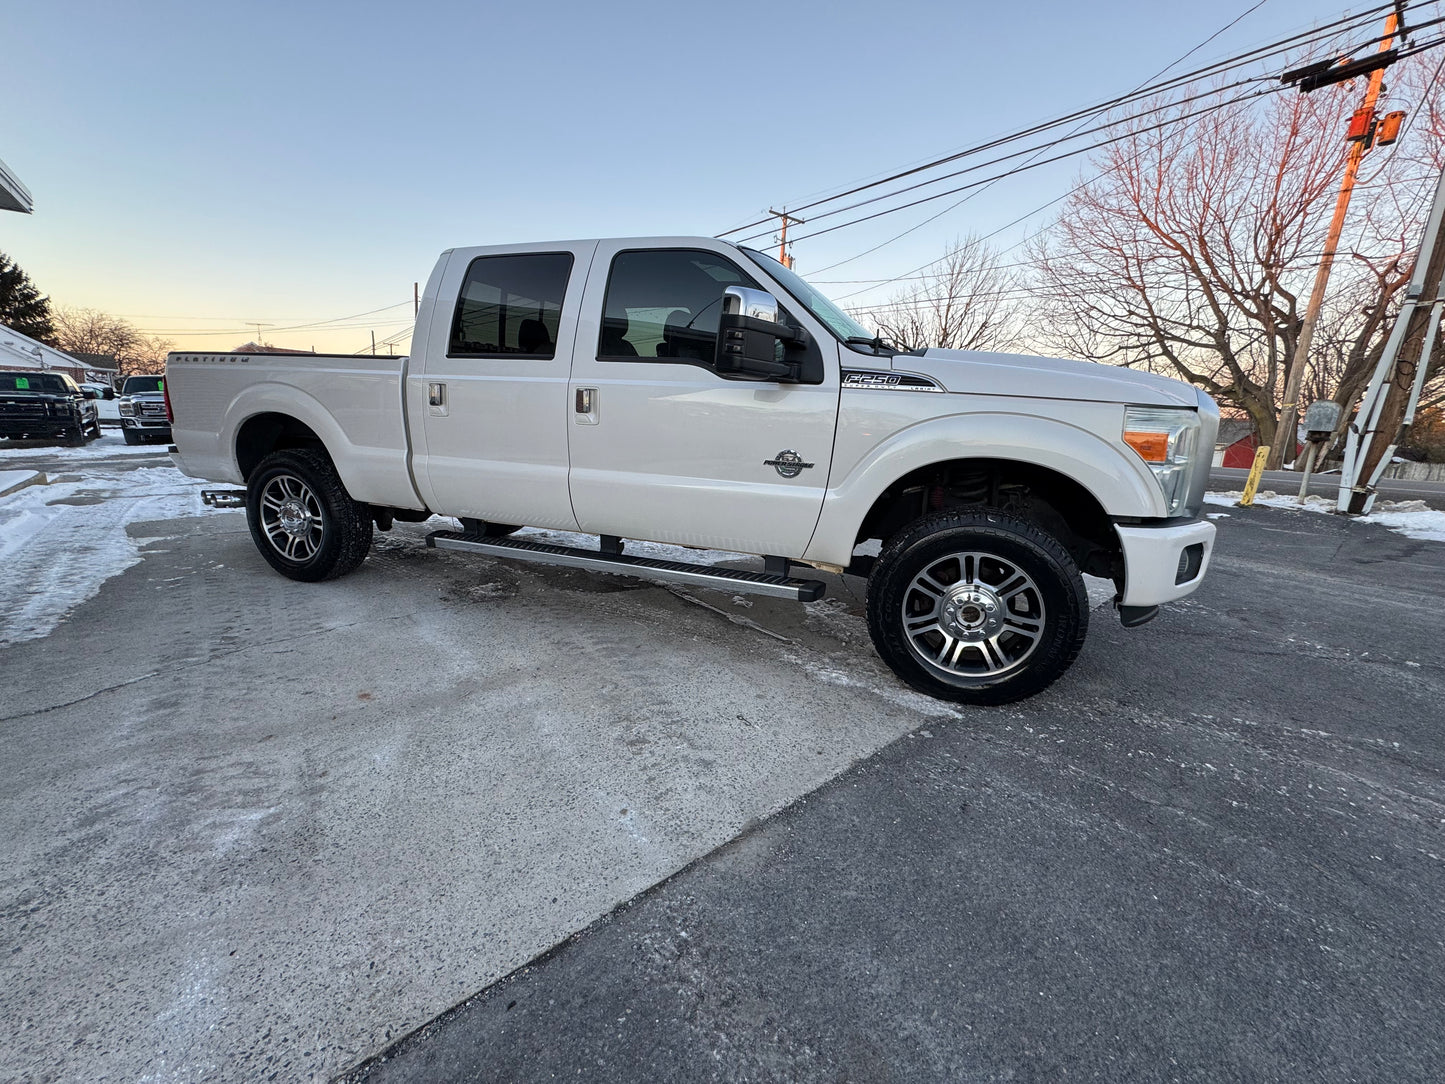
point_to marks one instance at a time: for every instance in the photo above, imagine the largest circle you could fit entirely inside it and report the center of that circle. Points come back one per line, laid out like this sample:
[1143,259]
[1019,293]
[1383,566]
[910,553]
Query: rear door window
[511,306]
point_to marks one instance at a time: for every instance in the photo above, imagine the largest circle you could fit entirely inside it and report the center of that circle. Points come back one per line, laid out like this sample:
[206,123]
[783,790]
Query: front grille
[22,409]
[151,410]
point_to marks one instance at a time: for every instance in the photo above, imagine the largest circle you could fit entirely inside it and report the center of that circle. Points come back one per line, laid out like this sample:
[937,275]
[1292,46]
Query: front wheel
[302,519]
[131,436]
[978,606]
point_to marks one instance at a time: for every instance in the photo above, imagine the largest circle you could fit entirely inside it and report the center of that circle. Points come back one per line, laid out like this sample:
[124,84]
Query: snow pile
[107,444]
[60,542]
[1413,519]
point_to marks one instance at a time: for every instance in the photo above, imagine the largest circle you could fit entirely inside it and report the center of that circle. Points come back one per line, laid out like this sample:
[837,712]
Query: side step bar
[727,579]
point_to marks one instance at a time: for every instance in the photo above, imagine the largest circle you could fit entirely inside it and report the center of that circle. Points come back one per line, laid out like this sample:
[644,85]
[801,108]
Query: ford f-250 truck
[689,391]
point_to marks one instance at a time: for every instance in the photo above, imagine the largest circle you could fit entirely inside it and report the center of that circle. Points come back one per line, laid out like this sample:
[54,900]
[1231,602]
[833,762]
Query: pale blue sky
[204,164]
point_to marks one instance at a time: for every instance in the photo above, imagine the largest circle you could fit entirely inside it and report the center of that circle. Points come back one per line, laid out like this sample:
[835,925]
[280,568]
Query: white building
[19,351]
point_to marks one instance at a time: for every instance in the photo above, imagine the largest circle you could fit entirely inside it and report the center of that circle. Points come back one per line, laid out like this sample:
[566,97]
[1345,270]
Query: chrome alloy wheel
[973,616]
[291,517]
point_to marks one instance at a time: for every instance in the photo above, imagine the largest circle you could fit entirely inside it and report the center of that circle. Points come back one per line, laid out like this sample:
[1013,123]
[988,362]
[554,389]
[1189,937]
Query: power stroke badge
[788,463]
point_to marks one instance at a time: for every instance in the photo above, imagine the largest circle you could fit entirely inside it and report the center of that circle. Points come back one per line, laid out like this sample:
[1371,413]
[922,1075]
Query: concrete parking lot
[258,830]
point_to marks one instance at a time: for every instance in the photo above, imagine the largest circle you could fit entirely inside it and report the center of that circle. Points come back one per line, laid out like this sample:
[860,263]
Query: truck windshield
[838,321]
[46,383]
[139,385]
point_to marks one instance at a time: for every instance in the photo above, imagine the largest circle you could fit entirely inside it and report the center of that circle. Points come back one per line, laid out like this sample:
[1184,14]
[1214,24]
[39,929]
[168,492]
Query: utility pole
[783,257]
[1394,392]
[1361,131]
[373,344]
[415,299]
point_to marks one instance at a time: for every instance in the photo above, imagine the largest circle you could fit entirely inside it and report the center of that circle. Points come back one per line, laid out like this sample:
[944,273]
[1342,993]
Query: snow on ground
[110,442]
[1413,519]
[13,479]
[60,542]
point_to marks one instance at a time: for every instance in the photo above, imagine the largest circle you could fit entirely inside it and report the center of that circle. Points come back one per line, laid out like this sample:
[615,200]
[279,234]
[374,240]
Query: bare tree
[88,331]
[966,302]
[1191,251]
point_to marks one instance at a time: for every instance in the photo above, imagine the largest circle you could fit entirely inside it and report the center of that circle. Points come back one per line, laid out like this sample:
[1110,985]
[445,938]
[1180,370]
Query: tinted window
[665,304]
[511,305]
[50,383]
[138,385]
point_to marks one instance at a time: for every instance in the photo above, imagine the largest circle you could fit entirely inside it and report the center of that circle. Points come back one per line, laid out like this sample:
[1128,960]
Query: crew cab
[686,390]
[40,403]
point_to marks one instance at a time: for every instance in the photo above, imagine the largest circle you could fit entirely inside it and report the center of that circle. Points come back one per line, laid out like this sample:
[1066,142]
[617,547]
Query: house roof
[106,362]
[14,196]
[1233,429]
[19,351]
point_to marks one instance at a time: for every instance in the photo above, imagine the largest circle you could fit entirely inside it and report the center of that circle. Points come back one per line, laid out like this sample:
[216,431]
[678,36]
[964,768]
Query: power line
[1044,206]
[1080,150]
[1333,29]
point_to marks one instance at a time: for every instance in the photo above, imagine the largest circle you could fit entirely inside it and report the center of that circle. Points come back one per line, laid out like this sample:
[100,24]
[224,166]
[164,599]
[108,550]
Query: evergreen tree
[22,307]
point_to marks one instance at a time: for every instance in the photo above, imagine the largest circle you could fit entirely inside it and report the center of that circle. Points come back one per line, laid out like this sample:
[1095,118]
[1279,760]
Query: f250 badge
[788,463]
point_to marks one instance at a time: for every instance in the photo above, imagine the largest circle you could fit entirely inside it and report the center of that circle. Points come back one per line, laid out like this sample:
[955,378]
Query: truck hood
[978,372]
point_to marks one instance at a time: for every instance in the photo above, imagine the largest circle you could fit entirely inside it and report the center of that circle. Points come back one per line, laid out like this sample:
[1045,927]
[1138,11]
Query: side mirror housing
[748,335]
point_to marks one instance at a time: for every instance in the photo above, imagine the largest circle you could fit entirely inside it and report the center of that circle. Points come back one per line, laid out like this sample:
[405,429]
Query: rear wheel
[302,519]
[978,606]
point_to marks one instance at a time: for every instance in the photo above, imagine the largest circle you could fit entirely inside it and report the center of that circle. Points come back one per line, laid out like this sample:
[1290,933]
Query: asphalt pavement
[1212,853]
[538,823]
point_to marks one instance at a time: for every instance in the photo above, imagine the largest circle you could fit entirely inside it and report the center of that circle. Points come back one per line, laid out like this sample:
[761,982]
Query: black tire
[131,437]
[75,436]
[987,646]
[95,430]
[300,487]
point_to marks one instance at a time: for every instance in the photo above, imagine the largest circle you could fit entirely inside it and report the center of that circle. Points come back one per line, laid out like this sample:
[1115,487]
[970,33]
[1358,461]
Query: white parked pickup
[689,391]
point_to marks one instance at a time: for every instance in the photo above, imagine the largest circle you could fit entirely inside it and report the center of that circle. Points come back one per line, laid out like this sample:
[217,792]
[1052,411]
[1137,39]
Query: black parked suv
[142,406]
[36,403]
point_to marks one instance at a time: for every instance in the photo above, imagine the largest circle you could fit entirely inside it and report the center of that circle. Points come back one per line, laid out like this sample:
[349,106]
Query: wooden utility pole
[1286,435]
[783,257]
[1394,391]
[415,299]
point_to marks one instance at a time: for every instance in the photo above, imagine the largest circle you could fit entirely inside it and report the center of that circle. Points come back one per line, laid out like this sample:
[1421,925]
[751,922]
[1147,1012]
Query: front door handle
[586,406]
[436,398]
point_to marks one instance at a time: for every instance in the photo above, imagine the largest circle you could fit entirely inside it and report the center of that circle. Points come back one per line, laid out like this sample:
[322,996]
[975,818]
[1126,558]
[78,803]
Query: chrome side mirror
[754,304]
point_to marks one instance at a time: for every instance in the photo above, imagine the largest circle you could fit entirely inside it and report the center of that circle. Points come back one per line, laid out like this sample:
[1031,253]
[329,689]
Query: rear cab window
[510,306]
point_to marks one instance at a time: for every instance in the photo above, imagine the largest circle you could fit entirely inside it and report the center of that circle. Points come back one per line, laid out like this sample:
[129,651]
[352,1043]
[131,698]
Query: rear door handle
[436,397]
[585,407]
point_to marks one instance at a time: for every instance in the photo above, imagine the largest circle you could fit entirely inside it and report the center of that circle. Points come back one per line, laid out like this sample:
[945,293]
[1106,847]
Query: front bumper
[148,425]
[1159,563]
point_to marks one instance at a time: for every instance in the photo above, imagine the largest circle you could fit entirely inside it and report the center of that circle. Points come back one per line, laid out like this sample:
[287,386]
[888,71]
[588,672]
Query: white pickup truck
[685,390]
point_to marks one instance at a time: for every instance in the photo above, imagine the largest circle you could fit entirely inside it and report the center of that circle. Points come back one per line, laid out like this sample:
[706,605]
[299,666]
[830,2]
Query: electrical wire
[1334,29]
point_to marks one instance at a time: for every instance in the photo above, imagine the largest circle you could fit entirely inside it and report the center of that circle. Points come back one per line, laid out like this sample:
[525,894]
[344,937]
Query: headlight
[125,407]
[1167,439]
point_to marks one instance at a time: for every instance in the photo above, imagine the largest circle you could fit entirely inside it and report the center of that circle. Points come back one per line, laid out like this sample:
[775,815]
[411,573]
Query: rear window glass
[511,306]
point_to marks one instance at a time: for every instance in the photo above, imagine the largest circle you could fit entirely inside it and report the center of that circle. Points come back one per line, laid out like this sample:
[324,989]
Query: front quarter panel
[883,435]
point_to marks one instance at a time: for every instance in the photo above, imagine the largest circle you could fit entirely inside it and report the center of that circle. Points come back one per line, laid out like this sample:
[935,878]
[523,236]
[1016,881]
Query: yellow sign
[1261,456]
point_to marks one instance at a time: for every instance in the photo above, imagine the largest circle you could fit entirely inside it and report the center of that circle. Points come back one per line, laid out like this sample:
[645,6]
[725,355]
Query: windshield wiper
[876,342]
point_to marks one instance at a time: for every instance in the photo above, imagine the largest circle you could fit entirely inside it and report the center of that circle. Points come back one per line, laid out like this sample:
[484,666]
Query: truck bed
[353,403]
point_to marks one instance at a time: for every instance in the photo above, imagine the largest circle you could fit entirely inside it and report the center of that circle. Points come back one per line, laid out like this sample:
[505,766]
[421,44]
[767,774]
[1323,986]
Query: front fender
[1121,483]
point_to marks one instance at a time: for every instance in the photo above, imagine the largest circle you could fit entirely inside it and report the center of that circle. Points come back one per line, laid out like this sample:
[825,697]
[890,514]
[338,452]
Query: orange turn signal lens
[1152,447]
